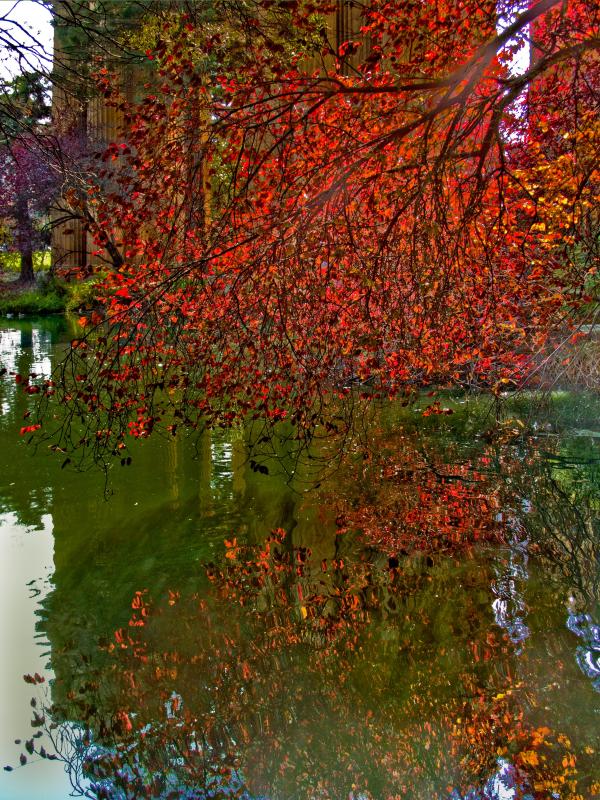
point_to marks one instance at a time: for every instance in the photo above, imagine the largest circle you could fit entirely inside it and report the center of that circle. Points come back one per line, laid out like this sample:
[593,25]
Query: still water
[423,624]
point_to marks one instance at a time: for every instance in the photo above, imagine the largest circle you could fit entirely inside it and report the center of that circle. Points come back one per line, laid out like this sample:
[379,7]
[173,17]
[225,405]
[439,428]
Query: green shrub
[49,296]
[81,296]
[32,302]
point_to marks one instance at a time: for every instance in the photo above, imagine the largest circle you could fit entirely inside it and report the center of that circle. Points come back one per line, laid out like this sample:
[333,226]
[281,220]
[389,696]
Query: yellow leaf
[530,757]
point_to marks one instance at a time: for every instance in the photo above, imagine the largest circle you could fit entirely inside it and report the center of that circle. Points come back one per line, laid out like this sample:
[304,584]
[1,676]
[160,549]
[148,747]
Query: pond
[424,623]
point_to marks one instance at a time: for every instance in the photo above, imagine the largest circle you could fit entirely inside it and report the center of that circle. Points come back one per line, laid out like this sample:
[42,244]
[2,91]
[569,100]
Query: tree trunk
[24,241]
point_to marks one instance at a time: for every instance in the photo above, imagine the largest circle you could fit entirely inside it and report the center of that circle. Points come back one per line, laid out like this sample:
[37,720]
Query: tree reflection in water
[509,604]
[422,657]
[588,653]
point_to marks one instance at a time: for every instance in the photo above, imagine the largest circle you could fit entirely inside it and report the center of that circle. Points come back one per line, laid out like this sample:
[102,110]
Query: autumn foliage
[391,211]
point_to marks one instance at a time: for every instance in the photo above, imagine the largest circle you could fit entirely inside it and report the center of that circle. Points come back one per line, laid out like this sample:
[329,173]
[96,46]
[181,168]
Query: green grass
[32,302]
[11,262]
[48,297]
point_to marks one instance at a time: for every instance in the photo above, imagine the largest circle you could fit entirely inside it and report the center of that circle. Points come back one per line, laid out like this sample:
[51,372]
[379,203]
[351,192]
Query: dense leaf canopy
[394,210]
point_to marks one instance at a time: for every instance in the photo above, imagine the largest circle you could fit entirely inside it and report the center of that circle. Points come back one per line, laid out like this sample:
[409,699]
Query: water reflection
[507,783]
[588,653]
[508,587]
[400,633]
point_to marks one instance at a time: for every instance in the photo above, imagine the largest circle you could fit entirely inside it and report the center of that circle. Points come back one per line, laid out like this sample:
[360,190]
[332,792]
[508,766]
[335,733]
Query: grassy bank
[38,302]
[44,297]
[49,295]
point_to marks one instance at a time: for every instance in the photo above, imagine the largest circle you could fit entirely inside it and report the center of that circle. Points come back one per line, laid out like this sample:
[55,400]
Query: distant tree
[27,180]
[27,186]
